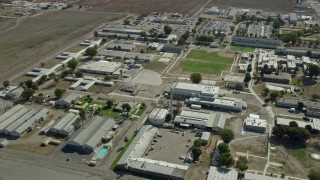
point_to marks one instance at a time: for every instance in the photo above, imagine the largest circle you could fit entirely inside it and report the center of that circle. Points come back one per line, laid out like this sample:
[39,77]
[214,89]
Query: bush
[196,78]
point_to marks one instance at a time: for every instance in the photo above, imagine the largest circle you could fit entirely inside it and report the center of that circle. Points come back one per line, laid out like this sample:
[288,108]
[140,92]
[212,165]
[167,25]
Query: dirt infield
[144,6]
[271,5]
[45,35]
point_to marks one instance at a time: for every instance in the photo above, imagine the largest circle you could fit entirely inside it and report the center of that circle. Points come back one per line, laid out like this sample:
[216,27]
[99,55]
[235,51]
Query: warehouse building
[91,136]
[158,116]
[251,176]
[235,82]
[65,127]
[19,120]
[218,173]
[133,161]
[282,78]
[213,10]
[101,67]
[200,119]
[195,90]
[297,52]
[66,101]
[139,56]
[256,42]
[171,48]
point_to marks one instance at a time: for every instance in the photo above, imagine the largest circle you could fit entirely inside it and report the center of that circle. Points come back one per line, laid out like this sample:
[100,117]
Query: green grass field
[210,62]
[299,154]
[242,48]
[105,111]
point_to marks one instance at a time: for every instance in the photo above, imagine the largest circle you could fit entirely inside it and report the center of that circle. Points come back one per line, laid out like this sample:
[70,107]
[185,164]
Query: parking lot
[171,146]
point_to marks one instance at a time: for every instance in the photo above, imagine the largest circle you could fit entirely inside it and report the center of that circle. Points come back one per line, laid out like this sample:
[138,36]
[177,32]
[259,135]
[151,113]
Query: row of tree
[291,132]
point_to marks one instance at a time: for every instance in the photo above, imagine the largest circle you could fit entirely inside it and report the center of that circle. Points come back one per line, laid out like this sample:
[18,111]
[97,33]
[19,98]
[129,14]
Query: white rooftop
[102,66]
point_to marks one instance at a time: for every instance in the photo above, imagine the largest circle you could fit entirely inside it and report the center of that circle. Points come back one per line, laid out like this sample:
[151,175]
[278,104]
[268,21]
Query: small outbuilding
[158,116]
[66,101]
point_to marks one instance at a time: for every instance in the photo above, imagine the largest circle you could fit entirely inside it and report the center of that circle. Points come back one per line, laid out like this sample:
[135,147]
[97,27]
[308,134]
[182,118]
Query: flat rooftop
[101,66]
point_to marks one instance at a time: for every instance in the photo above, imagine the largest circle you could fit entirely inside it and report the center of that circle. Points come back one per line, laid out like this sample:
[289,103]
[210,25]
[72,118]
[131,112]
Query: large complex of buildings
[256,42]
[19,120]
[133,160]
[91,136]
[206,96]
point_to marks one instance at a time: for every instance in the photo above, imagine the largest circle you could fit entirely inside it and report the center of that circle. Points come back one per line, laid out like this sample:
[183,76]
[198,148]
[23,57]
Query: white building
[101,67]
[256,42]
[205,137]
[255,125]
[158,116]
[91,135]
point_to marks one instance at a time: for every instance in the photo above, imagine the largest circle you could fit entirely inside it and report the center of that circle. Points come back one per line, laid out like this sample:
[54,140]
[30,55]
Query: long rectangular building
[256,42]
[90,136]
[65,127]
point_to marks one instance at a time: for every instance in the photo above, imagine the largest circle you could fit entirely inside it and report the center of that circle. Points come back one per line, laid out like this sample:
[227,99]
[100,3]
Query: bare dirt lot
[144,6]
[45,35]
[272,5]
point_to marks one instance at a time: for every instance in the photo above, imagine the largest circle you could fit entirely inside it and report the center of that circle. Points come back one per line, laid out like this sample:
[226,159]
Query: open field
[139,6]
[272,5]
[43,36]
[206,62]
[241,48]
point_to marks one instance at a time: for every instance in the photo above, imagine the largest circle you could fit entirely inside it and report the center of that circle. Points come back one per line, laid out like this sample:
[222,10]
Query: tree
[232,28]
[109,103]
[266,91]
[126,108]
[314,70]
[27,93]
[197,143]
[196,78]
[226,135]
[293,124]
[79,74]
[300,105]
[247,78]
[104,40]
[314,174]
[6,83]
[223,148]
[59,92]
[167,29]
[309,128]
[28,83]
[226,160]
[95,34]
[43,78]
[72,64]
[142,51]
[126,139]
[196,151]
[249,68]
[309,53]
[91,51]
[273,95]
[82,114]
[242,166]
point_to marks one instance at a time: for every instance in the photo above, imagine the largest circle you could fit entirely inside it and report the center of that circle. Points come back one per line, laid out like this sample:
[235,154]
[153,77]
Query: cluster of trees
[91,51]
[200,20]
[247,77]
[29,89]
[184,38]
[196,149]
[204,38]
[291,132]
[314,174]
[226,135]
[59,92]
[167,29]
[126,108]
[314,70]
[241,31]
[196,78]
[225,158]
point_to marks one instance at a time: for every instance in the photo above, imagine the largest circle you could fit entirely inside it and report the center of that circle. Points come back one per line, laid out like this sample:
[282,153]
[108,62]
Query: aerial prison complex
[133,159]
[206,96]
[19,120]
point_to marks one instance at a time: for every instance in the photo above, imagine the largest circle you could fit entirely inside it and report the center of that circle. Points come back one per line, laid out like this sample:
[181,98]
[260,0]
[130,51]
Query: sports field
[206,62]
[242,48]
